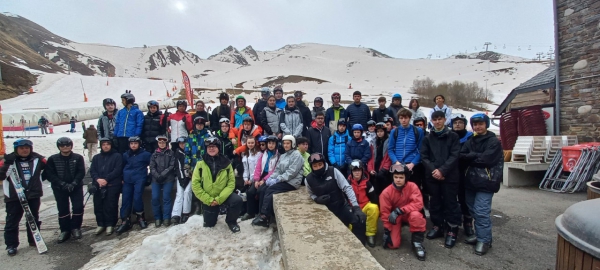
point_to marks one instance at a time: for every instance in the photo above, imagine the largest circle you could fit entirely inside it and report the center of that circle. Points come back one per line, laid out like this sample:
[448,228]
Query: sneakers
[76,233]
[247,216]
[157,223]
[99,230]
[435,232]
[12,251]
[175,220]
[261,220]
[64,236]
[451,237]
[371,241]
[109,230]
[234,227]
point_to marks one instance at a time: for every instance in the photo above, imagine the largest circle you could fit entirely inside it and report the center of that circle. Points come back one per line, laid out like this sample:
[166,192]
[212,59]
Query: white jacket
[249,161]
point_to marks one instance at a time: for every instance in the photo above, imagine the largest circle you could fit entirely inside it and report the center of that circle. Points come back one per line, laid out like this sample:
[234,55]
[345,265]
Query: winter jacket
[194,147]
[306,115]
[226,144]
[258,108]
[358,149]
[318,140]
[395,110]
[485,163]
[331,119]
[180,124]
[289,168]
[213,179]
[237,116]
[154,125]
[106,125]
[358,114]
[363,189]
[91,135]
[107,166]
[290,122]
[416,114]
[162,166]
[447,110]
[180,172]
[281,104]
[202,114]
[34,189]
[268,161]
[379,114]
[306,168]
[57,166]
[243,135]
[221,111]
[441,151]
[43,122]
[337,148]
[403,145]
[386,163]
[269,120]
[249,161]
[315,110]
[408,199]
[463,139]
[129,122]
[331,183]
[135,166]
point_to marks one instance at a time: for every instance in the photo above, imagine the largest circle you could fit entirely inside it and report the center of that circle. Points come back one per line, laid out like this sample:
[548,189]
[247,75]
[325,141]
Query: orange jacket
[241,141]
[408,200]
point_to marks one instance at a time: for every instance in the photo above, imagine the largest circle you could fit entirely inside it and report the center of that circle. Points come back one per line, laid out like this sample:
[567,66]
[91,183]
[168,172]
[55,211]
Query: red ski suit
[410,201]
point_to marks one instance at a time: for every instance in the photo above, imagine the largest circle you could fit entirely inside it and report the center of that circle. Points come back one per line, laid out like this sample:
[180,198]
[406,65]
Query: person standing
[337,147]
[357,148]
[107,121]
[129,123]
[91,141]
[395,107]
[180,122]
[318,136]
[335,112]
[290,120]
[65,171]
[43,124]
[318,107]
[29,166]
[358,112]
[162,165]
[107,175]
[381,112]
[213,183]
[459,123]
[220,112]
[415,108]
[440,106]
[240,113]
[201,111]
[380,163]
[261,104]
[269,117]
[183,199]
[405,142]
[155,124]
[304,110]
[279,101]
[72,122]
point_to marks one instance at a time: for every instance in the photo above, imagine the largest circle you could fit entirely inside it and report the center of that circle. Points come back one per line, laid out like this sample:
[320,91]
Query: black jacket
[441,151]
[55,170]
[107,166]
[35,188]
[179,168]
[379,114]
[358,114]
[162,166]
[257,109]
[154,124]
[485,159]
[226,145]
[221,111]
[318,140]
[204,114]
[306,114]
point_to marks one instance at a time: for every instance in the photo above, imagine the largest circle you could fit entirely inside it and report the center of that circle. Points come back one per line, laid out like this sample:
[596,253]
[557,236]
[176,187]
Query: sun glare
[180,6]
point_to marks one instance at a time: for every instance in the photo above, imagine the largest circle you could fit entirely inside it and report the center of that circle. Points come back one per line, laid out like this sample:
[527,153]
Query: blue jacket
[330,115]
[135,167]
[281,103]
[466,137]
[195,147]
[337,148]
[358,114]
[358,150]
[129,123]
[405,148]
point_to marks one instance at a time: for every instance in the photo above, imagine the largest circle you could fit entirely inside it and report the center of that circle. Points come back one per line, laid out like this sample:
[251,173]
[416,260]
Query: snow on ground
[191,246]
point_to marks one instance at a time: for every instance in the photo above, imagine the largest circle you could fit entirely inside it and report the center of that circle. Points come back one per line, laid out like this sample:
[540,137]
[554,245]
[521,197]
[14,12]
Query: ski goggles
[397,168]
[355,164]
[380,125]
[161,139]
[224,120]
[316,157]
[182,139]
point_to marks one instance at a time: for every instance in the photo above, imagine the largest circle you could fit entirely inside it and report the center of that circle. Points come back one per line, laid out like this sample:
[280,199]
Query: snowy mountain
[230,55]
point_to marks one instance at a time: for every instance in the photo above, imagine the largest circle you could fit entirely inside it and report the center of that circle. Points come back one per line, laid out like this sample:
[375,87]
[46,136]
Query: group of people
[363,165]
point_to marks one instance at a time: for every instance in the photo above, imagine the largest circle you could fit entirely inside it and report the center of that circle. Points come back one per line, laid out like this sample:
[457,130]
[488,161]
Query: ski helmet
[336,95]
[162,138]
[356,164]
[371,123]
[298,94]
[265,91]
[357,127]
[458,116]
[272,138]
[480,117]
[223,96]
[398,168]
[23,142]
[290,138]
[420,119]
[199,120]
[277,89]
[262,138]
[182,139]
[397,96]
[129,98]
[103,140]
[318,99]
[64,141]
[107,101]
[380,125]
[341,121]
[152,103]
[212,141]
[248,119]
[135,139]
[316,158]
[181,103]
[387,119]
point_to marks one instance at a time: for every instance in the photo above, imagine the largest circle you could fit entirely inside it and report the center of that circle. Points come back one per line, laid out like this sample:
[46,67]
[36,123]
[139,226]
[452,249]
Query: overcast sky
[399,28]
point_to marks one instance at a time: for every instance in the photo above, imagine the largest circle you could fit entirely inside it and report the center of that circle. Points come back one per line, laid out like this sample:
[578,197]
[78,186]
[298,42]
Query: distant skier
[43,124]
[73,121]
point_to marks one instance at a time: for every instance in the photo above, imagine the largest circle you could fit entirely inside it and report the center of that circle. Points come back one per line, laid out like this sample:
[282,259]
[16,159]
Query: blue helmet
[397,96]
[357,127]
[480,117]
[23,142]
[262,138]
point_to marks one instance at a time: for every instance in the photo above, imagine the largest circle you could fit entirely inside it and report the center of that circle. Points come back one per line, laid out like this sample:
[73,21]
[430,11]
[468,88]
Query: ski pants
[416,223]
[418,177]
[464,208]
[68,220]
[380,181]
[372,212]
[480,206]
[44,130]
[234,205]
[443,204]
[162,209]
[183,200]
[132,197]
[14,213]
[92,150]
[106,206]
[123,144]
[346,216]
[266,205]
[254,198]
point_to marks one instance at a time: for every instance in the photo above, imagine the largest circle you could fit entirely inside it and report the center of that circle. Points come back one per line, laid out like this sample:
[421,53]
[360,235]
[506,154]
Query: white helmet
[290,138]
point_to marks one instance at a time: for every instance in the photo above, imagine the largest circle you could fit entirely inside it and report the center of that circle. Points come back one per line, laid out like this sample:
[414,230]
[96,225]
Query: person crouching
[366,197]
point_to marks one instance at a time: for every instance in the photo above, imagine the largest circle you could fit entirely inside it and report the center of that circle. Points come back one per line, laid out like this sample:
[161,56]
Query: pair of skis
[37,235]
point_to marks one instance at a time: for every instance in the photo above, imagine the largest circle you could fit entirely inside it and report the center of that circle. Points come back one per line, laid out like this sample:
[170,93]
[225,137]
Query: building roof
[543,80]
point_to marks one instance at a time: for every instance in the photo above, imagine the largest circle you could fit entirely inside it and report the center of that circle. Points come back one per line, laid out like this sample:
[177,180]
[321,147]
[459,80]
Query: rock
[594,118]
[584,109]
[569,11]
[581,64]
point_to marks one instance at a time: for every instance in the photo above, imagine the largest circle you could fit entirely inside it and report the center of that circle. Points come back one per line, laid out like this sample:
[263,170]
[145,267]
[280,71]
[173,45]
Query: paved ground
[524,238]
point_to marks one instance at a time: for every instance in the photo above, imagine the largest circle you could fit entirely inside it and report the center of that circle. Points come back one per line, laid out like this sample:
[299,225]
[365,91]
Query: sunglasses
[64,145]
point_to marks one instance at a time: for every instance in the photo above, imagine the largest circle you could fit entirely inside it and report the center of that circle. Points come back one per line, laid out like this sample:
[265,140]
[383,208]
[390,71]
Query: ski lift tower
[486,45]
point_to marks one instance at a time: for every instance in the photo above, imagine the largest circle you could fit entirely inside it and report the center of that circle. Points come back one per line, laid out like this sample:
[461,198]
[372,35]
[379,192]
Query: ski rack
[557,180]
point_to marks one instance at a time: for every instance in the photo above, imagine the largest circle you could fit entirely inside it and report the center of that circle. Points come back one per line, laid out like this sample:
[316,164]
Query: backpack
[416,132]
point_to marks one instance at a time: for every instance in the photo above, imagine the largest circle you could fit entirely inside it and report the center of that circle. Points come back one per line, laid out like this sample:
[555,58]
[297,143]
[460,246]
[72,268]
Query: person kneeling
[326,185]
[213,182]
[400,203]
[366,197]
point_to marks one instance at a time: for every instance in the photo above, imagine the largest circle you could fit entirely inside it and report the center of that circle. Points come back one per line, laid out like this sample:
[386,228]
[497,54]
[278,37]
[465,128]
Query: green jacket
[208,186]
[306,168]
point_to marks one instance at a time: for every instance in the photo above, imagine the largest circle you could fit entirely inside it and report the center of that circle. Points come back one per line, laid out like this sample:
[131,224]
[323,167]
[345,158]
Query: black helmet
[342,121]
[212,141]
[277,89]
[103,140]
[135,139]
[419,119]
[182,102]
[199,120]
[129,98]
[23,142]
[64,141]
[272,138]
[398,168]
[298,94]
[371,123]
[152,103]
[319,99]
[380,125]
[107,101]
[316,157]
[182,139]
[224,96]
[248,119]
[356,164]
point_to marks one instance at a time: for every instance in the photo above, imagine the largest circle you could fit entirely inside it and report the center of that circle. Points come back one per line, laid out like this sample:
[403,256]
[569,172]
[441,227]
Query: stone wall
[579,50]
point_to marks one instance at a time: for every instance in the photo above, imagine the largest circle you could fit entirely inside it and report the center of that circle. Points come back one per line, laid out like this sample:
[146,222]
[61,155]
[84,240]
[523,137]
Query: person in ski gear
[421,122]
[265,92]
[336,112]
[401,203]
[418,171]
[135,176]
[269,117]
[107,174]
[439,154]
[250,158]
[29,165]
[358,147]
[415,108]
[380,162]
[337,147]
[395,107]
[107,121]
[440,106]
[389,123]
[227,138]
[43,125]
[304,110]
[90,137]
[358,112]
[370,134]
[72,122]
[220,112]
[240,113]
[155,124]
[180,122]
[286,177]
[201,111]
[380,112]
[459,124]
[290,120]
[183,199]
[318,136]
[247,130]
[129,123]
[318,107]
[280,102]
[484,157]
[303,149]
[195,148]
[326,185]
[162,171]
[65,171]
[265,166]
[213,183]
[366,198]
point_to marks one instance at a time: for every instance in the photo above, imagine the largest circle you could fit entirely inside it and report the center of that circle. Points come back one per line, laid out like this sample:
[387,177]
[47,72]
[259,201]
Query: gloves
[68,187]
[271,181]
[394,215]
[359,214]
[387,238]
[92,188]
[323,199]
[9,159]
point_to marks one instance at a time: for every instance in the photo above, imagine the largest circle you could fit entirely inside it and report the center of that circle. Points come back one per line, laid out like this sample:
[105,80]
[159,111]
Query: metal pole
[557,79]
[0,73]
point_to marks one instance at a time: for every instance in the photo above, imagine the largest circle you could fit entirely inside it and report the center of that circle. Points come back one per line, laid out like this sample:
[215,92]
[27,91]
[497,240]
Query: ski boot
[261,220]
[141,220]
[471,240]
[417,244]
[99,230]
[234,227]
[435,232]
[12,251]
[175,220]
[198,208]
[109,230]
[157,223]
[167,222]
[76,233]
[64,236]
[125,226]
[468,226]
[247,216]
[185,218]
[451,236]
[371,241]
[482,248]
